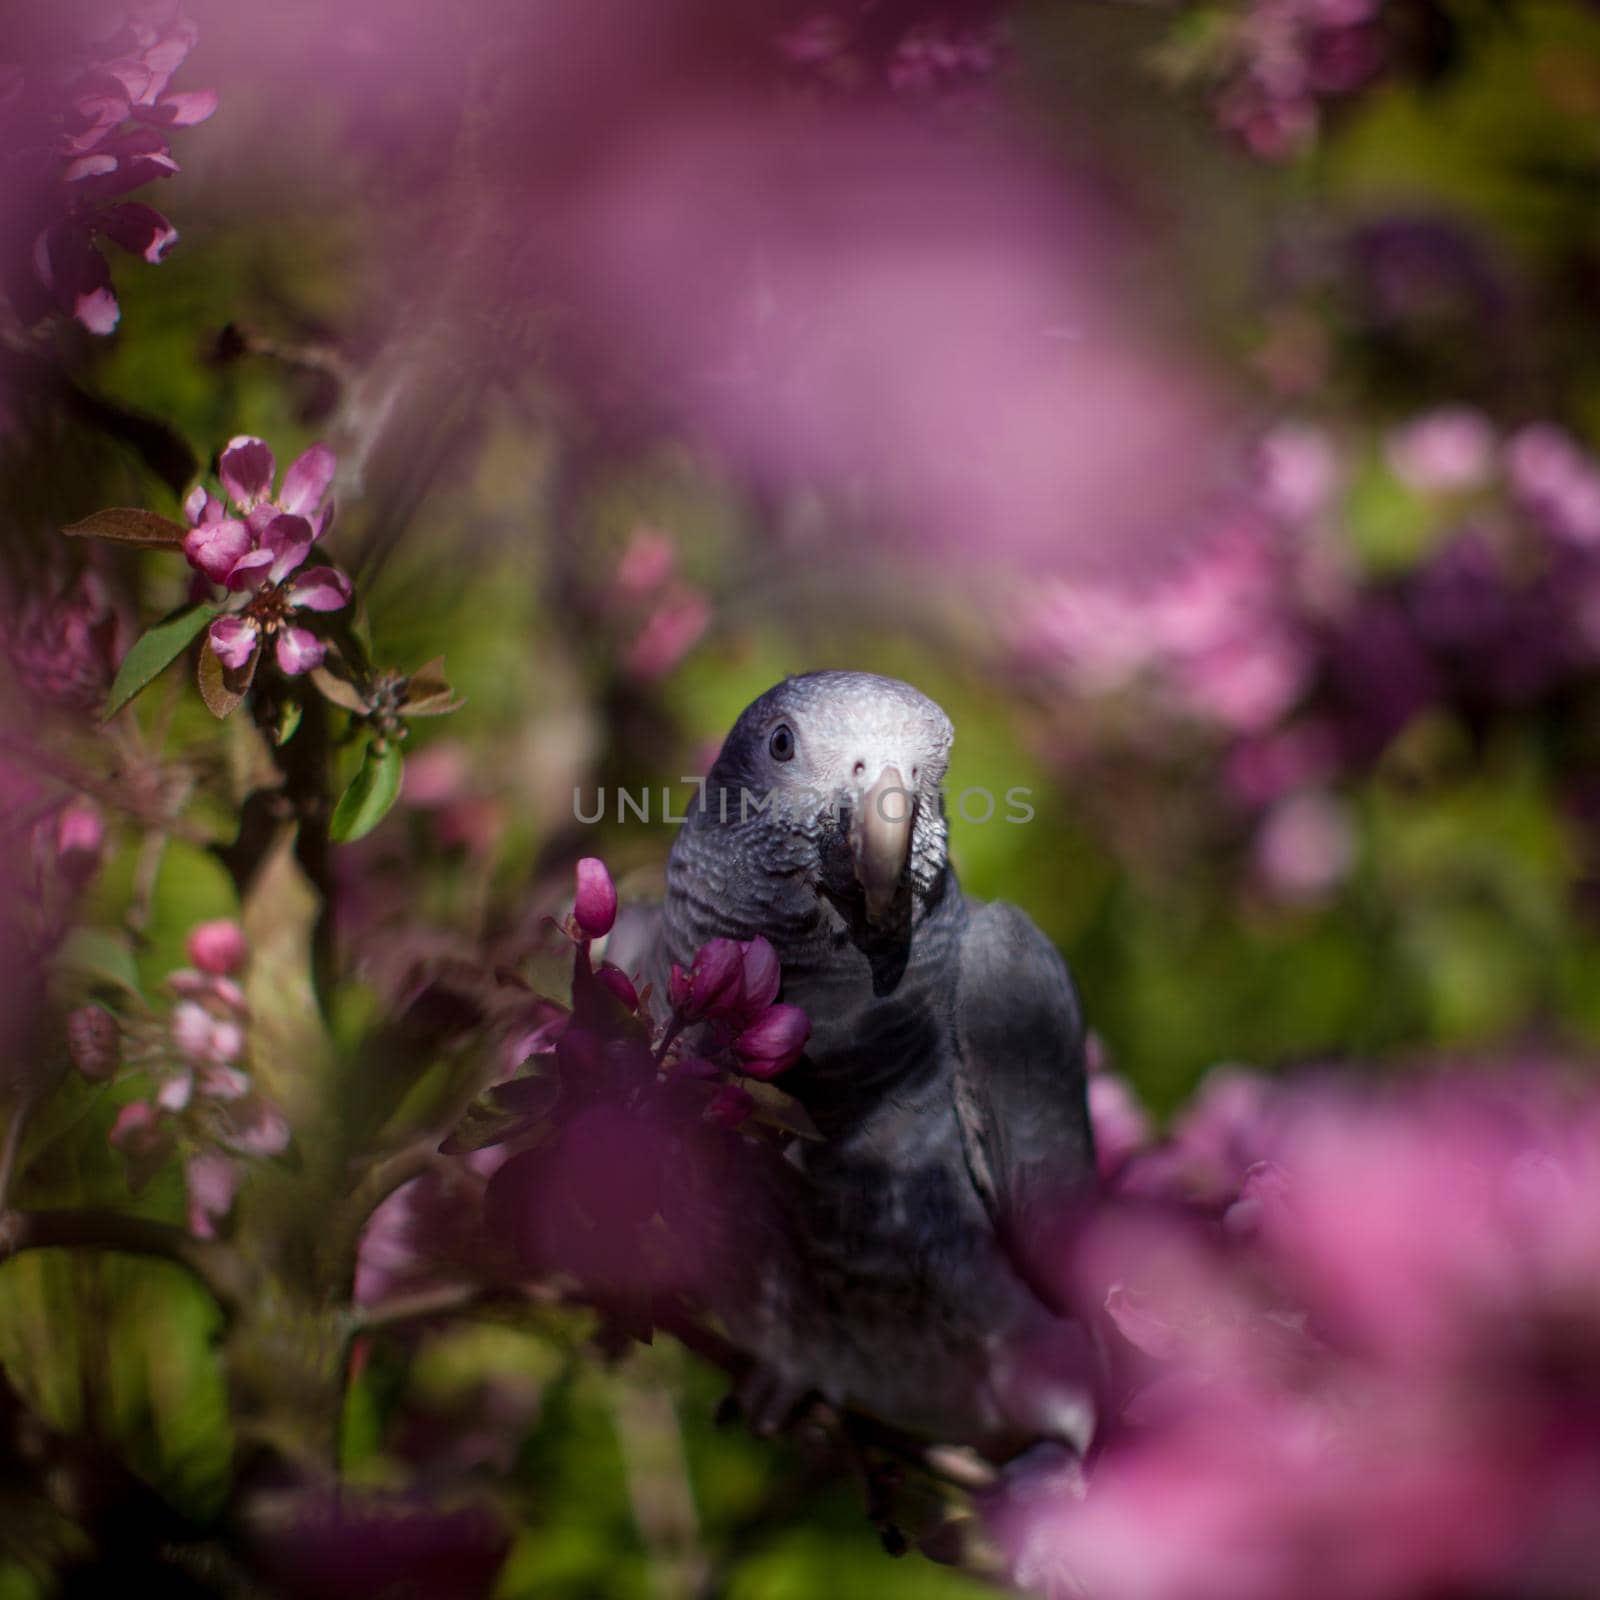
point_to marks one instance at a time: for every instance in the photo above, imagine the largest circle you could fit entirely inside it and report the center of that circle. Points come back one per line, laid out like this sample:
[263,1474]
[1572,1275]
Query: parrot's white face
[855,763]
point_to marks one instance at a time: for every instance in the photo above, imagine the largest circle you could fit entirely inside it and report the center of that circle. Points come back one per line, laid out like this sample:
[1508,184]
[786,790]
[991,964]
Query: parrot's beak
[880,840]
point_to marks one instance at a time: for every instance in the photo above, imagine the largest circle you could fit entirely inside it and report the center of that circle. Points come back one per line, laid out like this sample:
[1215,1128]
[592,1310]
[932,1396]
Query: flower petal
[246,469]
[182,110]
[299,650]
[249,569]
[288,541]
[305,483]
[320,589]
[140,229]
[214,548]
[234,640]
[201,506]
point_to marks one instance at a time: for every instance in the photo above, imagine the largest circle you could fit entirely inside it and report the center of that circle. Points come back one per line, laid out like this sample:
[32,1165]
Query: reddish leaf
[128,525]
[221,688]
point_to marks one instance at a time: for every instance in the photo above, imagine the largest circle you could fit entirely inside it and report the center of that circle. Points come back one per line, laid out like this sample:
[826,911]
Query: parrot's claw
[769,1402]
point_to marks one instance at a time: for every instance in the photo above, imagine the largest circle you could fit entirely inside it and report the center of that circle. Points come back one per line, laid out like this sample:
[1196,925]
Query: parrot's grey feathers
[633,938]
[907,1269]
[1020,1091]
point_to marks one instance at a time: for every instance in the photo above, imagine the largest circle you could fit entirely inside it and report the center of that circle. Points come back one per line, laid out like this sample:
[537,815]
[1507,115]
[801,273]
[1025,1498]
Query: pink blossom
[1121,1127]
[80,841]
[1445,452]
[83,122]
[1558,481]
[673,627]
[212,1182]
[218,947]
[1305,846]
[595,909]
[65,646]
[257,554]
[1298,471]
[714,984]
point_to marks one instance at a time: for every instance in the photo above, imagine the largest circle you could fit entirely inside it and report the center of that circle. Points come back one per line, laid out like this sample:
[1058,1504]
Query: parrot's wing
[1020,1088]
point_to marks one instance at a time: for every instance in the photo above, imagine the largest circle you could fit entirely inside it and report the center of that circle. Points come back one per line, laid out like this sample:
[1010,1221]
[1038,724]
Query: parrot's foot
[769,1402]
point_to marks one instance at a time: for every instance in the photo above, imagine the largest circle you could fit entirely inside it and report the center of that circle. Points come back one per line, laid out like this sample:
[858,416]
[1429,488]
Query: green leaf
[129,525]
[94,956]
[372,791]
[288,723]
[155,650]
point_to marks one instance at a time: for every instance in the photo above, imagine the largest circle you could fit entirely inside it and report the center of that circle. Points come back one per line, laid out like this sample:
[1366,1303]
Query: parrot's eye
[781,744]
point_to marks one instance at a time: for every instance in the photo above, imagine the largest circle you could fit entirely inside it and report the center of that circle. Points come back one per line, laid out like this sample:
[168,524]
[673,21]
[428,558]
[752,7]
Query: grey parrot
[918,1275]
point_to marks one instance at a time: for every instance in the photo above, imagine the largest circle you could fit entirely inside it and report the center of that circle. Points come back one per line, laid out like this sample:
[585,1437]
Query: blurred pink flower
[212,1182]
[1284,59]
[1121,1127]
[924,331]
[218,947]
[83,111]
[1557,480]
[65,646]
[1305,846]
[1445,452]
[80,841]
[1385,1349]
[673,627]
[1298,471]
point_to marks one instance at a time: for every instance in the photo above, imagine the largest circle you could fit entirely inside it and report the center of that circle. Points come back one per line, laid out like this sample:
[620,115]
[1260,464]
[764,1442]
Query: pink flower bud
[94,1040]
[761,976]
[595,908]
[714,984]
[218,947]
[619,983]
[80,838]
[774,1042]
[729,1107]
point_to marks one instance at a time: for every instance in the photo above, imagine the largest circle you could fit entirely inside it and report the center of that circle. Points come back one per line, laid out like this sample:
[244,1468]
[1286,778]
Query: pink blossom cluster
[661,615]
[1354,1332]
[618,1147]
[1272,641]
[258,552]
[202,1102]
[86,106]
[64,643]
[917,51]
[1286,59]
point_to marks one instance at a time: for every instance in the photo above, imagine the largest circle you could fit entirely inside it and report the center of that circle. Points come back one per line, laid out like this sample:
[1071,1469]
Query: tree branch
[219,1269]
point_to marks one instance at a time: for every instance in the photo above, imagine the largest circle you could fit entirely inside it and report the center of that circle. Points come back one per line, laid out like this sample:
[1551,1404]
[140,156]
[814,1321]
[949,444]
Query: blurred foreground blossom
[930,335]
[85,102]
[1376,1336]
